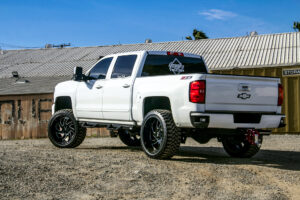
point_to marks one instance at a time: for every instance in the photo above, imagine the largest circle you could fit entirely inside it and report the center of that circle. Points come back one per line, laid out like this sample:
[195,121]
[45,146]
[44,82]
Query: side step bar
[109,126]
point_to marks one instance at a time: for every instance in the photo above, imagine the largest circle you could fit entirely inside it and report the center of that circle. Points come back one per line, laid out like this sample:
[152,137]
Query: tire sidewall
[62,113]
[125,137]
[157,115]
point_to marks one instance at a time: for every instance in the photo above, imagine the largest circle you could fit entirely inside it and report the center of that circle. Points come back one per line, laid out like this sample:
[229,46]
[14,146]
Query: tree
[198,35]
[296,26]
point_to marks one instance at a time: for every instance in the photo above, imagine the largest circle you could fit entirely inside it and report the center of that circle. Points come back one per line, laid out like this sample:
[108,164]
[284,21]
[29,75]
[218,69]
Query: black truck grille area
[249,118]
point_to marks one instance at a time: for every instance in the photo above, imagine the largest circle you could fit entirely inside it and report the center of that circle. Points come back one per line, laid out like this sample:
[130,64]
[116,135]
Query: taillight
[169,53]
[197,91]
[280,95]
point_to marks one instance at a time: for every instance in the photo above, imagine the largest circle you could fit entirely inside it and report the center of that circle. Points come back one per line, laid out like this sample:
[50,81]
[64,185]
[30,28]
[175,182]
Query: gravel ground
[103,168]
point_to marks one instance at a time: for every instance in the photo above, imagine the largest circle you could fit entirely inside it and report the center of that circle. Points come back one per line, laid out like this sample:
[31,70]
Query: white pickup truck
[157,99]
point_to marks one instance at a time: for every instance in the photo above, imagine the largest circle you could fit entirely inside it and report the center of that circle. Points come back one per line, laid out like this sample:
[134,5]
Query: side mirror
[77,75]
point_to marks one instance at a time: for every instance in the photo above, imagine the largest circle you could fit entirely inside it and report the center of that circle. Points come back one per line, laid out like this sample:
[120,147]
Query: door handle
[126,86]
[99,86]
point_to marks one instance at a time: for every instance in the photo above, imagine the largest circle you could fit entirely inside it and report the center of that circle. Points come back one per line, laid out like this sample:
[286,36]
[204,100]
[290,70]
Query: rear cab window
[159,65]
[123,66]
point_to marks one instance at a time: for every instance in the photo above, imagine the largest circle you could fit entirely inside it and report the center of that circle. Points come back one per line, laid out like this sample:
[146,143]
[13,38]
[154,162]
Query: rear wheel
[160,137]
[242,146]
[128,138]
[64,131]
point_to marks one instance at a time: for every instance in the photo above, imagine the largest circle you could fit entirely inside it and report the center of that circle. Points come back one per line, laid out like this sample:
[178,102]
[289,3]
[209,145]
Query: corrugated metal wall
[291,84]
[27,116]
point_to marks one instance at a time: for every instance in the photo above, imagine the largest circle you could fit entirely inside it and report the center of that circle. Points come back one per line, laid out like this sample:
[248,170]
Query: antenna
[61,45]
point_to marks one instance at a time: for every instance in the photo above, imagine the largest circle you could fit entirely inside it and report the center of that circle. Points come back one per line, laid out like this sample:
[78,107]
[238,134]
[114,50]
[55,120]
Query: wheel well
[63,103]
[151,103]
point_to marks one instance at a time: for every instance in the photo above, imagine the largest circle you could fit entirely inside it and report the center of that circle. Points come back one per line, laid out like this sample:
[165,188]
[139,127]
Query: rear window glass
[157,65]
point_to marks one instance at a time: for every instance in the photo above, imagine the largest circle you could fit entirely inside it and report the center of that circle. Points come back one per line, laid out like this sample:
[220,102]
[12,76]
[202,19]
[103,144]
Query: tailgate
[227,93]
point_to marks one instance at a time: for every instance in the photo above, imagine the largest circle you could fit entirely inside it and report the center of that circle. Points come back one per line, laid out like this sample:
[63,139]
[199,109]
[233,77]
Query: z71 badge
[244,96]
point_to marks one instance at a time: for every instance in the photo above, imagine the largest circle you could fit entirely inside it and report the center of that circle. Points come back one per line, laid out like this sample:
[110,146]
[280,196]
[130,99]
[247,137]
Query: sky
[33,23]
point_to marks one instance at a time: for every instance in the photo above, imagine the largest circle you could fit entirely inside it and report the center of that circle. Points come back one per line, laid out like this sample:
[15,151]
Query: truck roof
[159,53]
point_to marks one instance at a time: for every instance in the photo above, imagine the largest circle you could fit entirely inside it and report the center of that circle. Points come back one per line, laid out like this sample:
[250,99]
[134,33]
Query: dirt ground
[104,168]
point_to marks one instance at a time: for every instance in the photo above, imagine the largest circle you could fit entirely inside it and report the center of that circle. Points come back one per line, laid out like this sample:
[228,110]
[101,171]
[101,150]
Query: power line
[17,46]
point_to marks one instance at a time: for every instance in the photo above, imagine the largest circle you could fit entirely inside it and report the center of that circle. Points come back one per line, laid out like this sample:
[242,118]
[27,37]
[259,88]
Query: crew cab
[157,99]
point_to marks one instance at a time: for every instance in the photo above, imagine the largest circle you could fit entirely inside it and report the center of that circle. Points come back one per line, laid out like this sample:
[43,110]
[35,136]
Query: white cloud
[218,14]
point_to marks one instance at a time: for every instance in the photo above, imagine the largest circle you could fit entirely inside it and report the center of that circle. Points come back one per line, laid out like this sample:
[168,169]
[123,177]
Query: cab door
[118,89]
[89,93]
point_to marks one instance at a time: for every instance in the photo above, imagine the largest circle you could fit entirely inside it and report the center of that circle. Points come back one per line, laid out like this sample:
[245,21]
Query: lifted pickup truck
[157,99]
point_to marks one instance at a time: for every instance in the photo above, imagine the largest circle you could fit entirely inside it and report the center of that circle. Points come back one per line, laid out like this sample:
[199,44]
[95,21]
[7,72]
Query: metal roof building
[226,53]
[266,55]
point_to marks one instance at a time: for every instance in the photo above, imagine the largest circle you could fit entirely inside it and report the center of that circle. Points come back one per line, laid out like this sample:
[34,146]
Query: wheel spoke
[159,129]
[157,126]
[67,138]
[68,123]
[61,123]
[239,146]
[66,119]
[58,128]
[152,127]
[59,135]
[72,128]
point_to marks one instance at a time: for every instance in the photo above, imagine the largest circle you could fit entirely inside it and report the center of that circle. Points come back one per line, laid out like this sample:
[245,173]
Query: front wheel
[64,131]
[160,137]
[243,146]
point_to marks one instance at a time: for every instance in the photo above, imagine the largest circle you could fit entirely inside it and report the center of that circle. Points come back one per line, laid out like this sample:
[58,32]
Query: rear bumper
[234,121]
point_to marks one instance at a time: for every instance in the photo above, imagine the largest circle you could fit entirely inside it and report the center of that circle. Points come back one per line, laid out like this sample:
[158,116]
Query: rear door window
[124,66]
[158,65]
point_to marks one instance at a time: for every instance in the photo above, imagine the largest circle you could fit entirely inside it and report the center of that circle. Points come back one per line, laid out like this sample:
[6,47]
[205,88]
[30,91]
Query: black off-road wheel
[239,147]
[128,138]
[160,138]
[64,131]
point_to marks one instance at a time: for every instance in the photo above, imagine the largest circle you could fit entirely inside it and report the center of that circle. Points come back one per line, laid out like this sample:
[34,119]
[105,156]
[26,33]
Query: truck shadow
[288,160]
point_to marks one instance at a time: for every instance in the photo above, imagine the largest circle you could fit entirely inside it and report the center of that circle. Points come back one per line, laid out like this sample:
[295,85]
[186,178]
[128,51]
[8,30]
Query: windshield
[157,65]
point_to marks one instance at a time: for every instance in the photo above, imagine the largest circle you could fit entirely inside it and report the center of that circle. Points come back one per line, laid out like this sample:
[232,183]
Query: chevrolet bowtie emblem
[244,96]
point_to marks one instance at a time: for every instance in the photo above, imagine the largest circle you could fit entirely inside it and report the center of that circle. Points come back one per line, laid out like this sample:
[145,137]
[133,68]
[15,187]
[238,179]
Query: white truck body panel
[117,99]
[166,86]
[89,99]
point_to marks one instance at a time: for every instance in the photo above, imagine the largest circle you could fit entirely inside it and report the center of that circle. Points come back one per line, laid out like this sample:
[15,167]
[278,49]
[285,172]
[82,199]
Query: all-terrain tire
[242,150]
[170,135]
[127,139]
[78,132]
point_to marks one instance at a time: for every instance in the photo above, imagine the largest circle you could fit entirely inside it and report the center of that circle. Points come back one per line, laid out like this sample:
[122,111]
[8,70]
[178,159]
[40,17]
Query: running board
[111,125]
